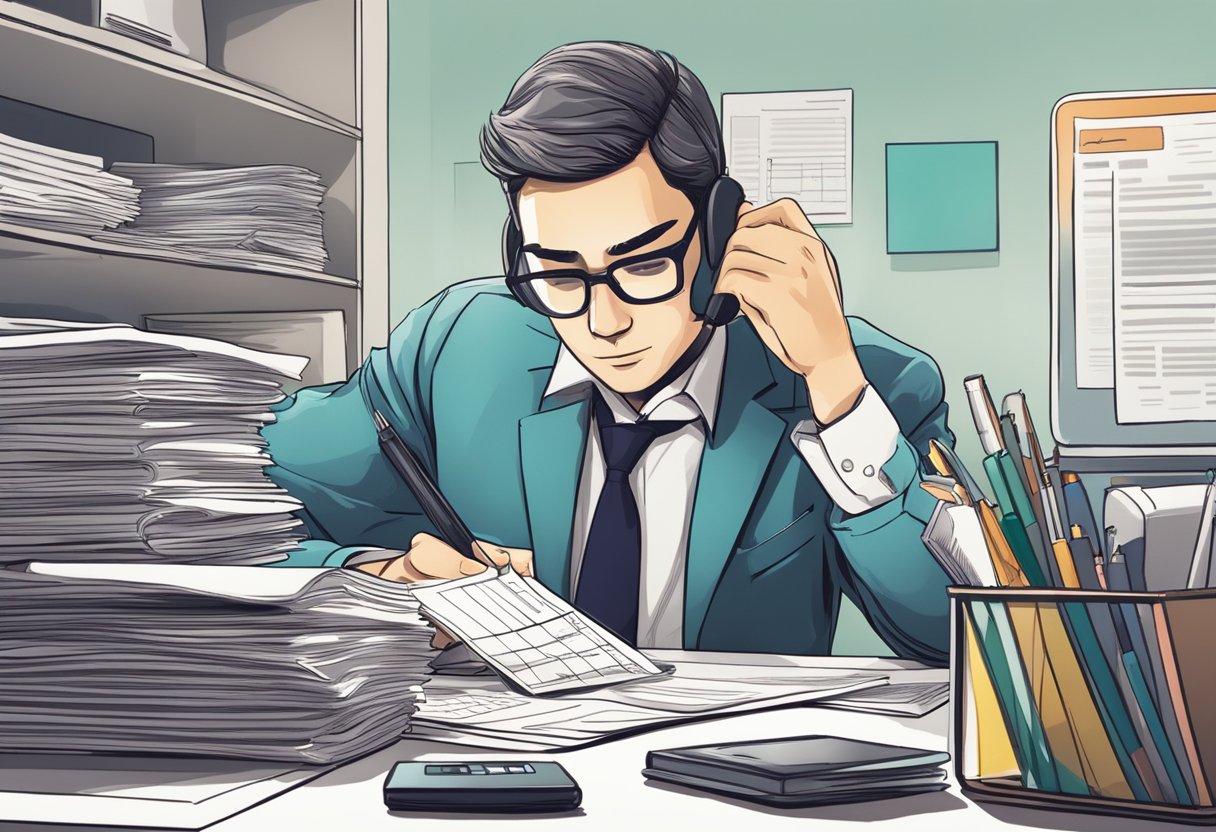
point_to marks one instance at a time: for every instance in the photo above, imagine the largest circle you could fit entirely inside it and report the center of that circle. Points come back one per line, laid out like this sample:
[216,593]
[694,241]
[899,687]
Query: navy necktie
[612,559]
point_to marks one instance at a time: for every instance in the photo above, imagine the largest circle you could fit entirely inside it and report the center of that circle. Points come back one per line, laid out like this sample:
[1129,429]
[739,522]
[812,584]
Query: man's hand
[430,558]
[787,284]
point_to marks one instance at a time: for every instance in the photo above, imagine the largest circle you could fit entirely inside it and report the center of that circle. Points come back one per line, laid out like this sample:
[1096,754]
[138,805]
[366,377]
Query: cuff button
[868,470]
[846,465]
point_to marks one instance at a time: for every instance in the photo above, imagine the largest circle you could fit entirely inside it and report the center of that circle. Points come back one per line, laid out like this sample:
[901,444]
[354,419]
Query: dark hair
[585,110]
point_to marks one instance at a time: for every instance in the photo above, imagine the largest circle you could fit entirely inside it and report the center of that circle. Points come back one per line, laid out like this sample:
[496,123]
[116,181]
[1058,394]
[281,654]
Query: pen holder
[1078,700]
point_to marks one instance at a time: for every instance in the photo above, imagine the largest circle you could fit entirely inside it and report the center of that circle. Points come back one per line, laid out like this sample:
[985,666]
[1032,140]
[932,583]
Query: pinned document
[1147,225]
[793,144]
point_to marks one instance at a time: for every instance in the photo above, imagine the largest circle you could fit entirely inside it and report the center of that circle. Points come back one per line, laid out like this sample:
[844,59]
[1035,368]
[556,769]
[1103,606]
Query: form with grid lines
[529,635]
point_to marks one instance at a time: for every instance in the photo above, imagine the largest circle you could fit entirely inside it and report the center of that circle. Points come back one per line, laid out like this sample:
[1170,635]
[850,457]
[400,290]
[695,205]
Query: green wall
[921,70]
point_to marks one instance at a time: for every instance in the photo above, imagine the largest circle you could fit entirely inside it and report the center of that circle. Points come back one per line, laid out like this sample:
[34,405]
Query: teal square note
[942,197]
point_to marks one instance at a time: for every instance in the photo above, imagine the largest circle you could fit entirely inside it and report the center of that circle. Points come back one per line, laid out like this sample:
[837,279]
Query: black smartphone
[468,786]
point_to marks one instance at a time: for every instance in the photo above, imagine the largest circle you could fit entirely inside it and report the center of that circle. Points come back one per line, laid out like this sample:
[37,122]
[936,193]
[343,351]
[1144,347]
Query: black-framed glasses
[650,277]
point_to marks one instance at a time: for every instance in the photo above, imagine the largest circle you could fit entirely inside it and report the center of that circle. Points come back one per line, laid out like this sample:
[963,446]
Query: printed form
[529,635]
[1145,264]
[793,144]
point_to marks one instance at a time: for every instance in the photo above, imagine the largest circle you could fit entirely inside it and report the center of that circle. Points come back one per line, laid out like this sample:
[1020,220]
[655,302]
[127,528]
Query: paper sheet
[135,792]
[529,635]
[482,712]
[896,699]
[1146,264]
[793,144]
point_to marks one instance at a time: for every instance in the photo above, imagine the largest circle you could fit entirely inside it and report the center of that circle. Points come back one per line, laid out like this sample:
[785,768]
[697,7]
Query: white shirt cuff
[848,455]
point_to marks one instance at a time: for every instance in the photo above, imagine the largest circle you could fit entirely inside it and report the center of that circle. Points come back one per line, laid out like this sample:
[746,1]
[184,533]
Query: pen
[947,463]
[1011,502]
[438,510]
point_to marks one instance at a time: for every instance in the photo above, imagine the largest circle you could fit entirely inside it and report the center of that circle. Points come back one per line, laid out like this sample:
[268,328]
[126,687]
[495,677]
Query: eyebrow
[642,239]
[632,244]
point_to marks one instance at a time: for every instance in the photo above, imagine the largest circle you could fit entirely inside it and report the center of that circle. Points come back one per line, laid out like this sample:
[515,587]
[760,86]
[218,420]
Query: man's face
[590,225]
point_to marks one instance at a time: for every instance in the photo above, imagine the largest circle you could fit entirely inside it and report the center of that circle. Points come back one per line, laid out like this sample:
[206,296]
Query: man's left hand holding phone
[429,558]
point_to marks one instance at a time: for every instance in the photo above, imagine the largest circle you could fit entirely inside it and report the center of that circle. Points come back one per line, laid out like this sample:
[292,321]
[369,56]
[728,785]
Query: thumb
[744,207]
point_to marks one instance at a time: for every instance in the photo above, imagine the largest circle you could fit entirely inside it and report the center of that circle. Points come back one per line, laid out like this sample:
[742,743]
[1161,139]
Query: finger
[773,241]
[442,639]
[423,539]
[744,207]
[468,566]
[521,562]
[783,212]
[743,268]
[435,559]
[400,570]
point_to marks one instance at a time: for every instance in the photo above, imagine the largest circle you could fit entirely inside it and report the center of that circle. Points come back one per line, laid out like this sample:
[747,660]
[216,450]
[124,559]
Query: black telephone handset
[719,216]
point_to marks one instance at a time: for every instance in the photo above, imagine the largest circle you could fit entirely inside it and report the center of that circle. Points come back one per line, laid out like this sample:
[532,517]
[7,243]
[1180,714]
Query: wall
[930,70]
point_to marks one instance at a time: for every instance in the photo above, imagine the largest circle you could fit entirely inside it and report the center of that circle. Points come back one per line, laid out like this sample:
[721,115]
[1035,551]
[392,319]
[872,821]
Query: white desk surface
[616,797]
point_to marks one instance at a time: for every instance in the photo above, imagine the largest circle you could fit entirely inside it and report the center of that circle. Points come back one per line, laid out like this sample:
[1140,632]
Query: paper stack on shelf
[177,25]
[262,216]
[318,334]
[304,665]
[45,187]
[123,445]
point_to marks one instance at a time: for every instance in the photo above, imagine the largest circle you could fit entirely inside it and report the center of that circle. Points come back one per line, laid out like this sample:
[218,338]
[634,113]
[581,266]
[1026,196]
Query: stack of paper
[262,216]
[123,445]
[314,665]
[45,187]
[169,24]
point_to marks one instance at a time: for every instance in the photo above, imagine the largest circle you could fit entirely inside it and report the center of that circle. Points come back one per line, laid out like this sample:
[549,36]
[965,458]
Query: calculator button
[447,769]
[496,769]
[518,769]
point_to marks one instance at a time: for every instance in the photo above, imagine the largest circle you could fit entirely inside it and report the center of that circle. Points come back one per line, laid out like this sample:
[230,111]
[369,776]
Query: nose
[608,316]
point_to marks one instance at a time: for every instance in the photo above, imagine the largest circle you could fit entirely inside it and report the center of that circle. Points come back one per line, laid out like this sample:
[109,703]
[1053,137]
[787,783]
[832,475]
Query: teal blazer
[769,553]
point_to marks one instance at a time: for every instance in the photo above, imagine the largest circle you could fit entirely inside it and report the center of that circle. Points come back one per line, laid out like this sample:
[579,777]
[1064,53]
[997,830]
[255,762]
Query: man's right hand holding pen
[429,558]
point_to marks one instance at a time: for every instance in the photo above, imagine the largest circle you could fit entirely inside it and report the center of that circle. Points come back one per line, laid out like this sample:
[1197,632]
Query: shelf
[19,242]
[92,57]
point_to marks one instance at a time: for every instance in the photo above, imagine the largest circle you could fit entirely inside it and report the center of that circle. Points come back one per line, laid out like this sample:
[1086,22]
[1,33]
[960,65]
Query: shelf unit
[301,82]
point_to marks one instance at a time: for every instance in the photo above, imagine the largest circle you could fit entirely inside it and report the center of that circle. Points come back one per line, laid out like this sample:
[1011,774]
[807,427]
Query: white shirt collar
[692,395]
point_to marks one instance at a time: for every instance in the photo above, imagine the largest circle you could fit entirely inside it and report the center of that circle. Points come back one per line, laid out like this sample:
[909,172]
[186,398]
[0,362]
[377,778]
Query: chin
[632,379]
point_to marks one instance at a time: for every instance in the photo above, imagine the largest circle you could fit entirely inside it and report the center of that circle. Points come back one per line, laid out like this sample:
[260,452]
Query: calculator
[467,786]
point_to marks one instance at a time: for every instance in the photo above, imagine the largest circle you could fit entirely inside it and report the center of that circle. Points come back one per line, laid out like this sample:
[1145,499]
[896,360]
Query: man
[689,487]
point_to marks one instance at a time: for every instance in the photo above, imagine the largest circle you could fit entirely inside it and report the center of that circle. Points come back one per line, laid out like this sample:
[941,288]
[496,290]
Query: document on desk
[1146,264]
[138,792]
[484,713]
[530,636]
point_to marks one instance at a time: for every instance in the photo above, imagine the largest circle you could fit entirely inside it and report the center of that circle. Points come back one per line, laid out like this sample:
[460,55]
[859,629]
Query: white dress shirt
[847,457]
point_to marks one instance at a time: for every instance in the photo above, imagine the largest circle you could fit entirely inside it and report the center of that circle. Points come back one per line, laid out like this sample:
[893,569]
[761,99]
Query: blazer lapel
[551,446]
[737,456]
